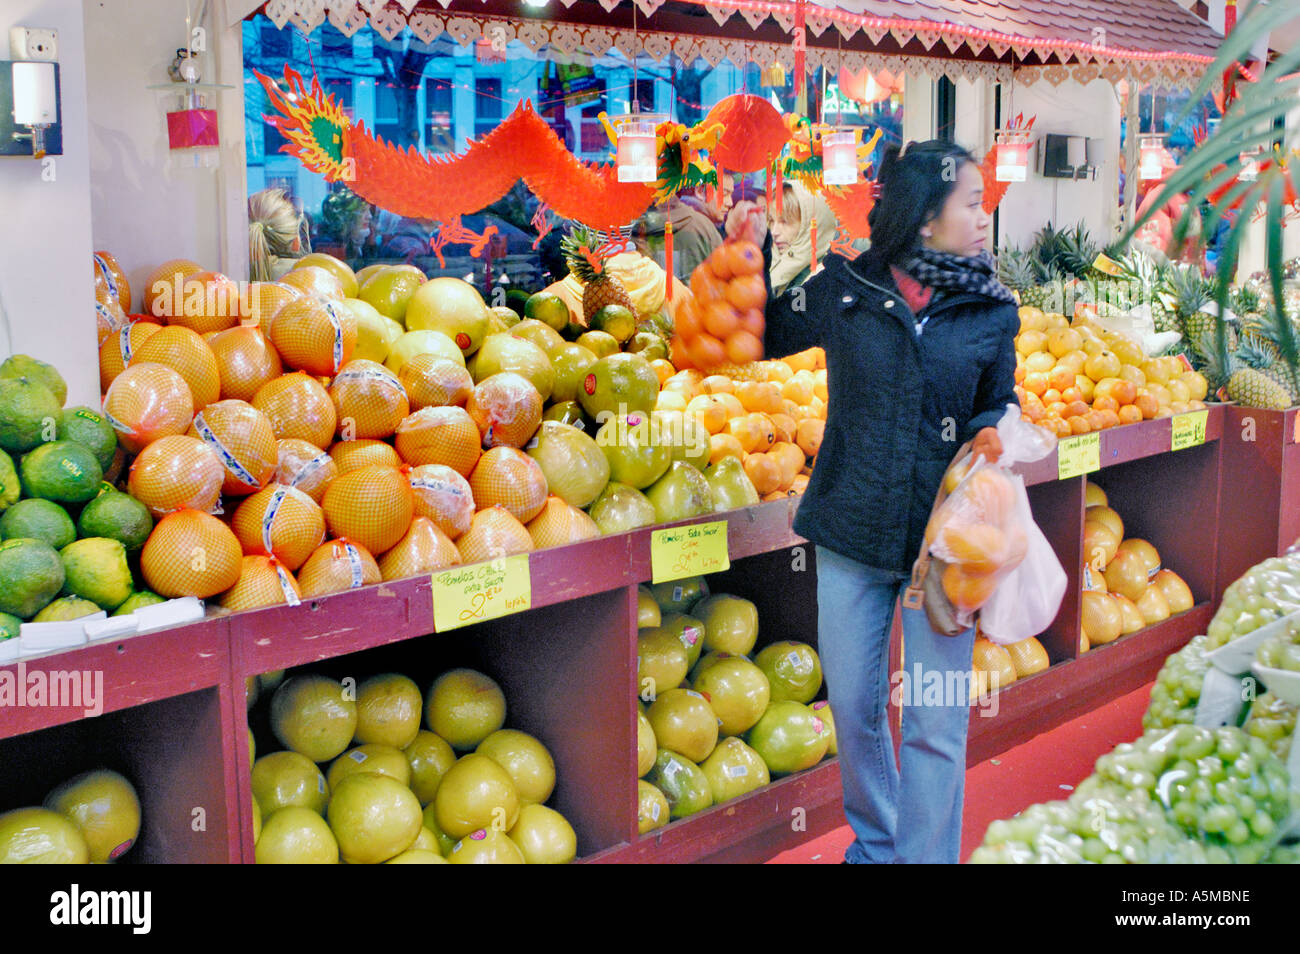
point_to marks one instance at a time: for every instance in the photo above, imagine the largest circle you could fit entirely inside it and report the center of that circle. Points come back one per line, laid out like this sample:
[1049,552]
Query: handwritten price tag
[1078,455]
[1189,429]
[688,551]
[482,591]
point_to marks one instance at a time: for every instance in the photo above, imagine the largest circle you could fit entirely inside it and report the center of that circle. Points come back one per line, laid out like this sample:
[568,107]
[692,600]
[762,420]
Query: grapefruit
[284,779]
[211,303]
[190,553]
[684,723]
[298,406]
[730,624]
[793,669]
[145,402]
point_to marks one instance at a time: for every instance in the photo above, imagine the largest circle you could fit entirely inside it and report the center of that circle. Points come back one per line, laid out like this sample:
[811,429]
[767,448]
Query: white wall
[1070,109]
[46,270]
[147,208]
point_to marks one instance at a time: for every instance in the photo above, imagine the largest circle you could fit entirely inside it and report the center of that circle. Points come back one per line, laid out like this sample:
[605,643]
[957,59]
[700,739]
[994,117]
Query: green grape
[1177,688]
[1272,721]
[1267,591]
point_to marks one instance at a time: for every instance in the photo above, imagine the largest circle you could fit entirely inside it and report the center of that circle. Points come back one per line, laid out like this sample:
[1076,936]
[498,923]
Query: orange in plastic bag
[721,323]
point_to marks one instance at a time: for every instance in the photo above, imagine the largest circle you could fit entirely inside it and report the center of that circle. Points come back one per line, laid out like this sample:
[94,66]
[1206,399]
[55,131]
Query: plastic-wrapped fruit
[186,353]
[632,447]
[41,836]
[683,784]
[789,737]
[372,505]
[1267,591]
[679,494]
[476,793]
[575,467]
[298,406]
[1130,616]
[337,565]
[619,384]
[683,722]
[511,478]
[164,288]
[362,452]
[1177,688]
[793,669]
[440,435]
[211,303]
[190,554]
[116,351]
[414,343]
[652,809]
[313,280]
[494,532]
[245,362]
[680,596]
[647,610]
[444,496]
[1153,606]
[647,747]
[434,381]
[1103,620]
[1028,656]
[265,299]
[263,581]
[105,807]
[146,402]
[316,335]
[507,409]
[369,400]
[620,508]
[560,524]
[282,522]
[510,353]
[1177,594]
[177,472]
[304,467]
[424,549]
[109,273]
[544,836]
[244,442]
[730,623]
[737,691]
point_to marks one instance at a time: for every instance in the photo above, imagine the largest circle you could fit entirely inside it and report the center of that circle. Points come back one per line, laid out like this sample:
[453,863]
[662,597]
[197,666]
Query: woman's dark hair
[914,185]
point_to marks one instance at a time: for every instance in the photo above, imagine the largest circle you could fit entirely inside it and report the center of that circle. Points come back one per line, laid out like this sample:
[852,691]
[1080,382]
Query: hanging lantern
[1249,166]
[636,157]
[1012,155]
[1151,161]
[840,158]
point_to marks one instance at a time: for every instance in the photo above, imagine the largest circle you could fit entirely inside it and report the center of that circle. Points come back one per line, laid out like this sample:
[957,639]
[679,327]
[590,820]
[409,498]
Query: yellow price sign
[481,591]
[692,550]
[1188,429]
[1078,455]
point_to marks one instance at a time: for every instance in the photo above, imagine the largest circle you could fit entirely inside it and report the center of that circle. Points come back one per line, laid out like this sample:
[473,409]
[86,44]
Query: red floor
[1044,769]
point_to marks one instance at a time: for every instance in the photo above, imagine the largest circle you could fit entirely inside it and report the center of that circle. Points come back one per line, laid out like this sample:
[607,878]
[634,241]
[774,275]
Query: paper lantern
[1151,161]
[840,158]
[1012,156]
[637,160]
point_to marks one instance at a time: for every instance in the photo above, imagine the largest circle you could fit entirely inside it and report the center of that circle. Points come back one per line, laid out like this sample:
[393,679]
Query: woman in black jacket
[919,340]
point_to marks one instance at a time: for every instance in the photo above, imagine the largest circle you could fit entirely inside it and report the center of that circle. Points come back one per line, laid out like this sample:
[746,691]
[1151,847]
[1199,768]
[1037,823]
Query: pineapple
[1016,271]
[1190,292]
[1259,382]
[1077,251]
[599,287]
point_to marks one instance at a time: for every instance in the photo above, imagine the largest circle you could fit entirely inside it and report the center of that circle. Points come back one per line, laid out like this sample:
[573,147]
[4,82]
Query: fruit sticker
[121,849]
[479,835]
[691,635]
[818,725]
[589,384]
[463,341]
[358,756]
[735,771]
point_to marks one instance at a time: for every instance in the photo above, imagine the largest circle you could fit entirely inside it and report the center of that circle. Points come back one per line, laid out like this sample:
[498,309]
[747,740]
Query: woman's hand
[747,220]
[987,444]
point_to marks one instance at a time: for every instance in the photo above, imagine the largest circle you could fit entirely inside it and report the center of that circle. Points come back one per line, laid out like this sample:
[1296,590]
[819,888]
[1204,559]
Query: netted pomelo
[369,400]
[620,508]
[544,836]
[430,757]
[339,269]
[312,280]
[506,352]
[790,737]
[164,288]
[296,836]
[389,709]
[444,496]
[145,402]
[42,520]
[90,429]
[476,793]
[354,454]
[412,343]
[116,351]
[245,362]
[487,846]
[284,779]
[185,352]
[730,624]
[314,334]
[575,467]
[737,691]
[314,715]
[190,553]
[263,581]
[104,806]
[451,306]
[29,414]
[297,405]
[507,409]
[440,435]
[734,769]
[337,565]
[511,478]
[560,524]
[464,707]
[244,441]
[372,505]
[373,817]
[42,837]
[265,299]
[619,384]
[424,549]
[110,274]
[63,471]
[177,472]
[109,319]
[95,569]
[211,303]
[304,466]
[493,533]
[31,574]
[434,381]
[282,522]
[525,759]
[372,757]
[389,290]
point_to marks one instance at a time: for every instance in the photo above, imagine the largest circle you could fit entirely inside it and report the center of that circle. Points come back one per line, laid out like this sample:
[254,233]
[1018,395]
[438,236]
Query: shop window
[439,134]
[487,106]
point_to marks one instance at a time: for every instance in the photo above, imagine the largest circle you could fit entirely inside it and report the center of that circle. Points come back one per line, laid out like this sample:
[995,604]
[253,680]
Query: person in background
[694,235]
[278,235]
[920,355]
[792,247]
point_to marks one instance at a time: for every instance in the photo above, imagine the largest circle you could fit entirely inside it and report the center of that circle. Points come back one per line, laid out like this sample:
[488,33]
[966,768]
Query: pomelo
[789,737]
[282,779]
[389,290]
[647,746]
[730,623]
[177,472]
[619,384]
[422,550]
[434,381]
[575,467]
[412,343]
[620,508]
[313,715]
[682,783]
[315,335]
[737,691]
[373,817]
[369,400]
[389,709]
[652,809]
[298,406]
[185,352]
[376,333]
[282,522]
[560,524]
[145,402]
[335,566]
[487,846]
[793,669]
[243,439]
[544,836]
[440,435]
[451,306]
[734,769]
[296,836]
[38,520]
[263,581]
[509,477]
[632,448]
[372,757]
[190,554]
[493,533]
[525,759]
[40,836]
[507,408]
[104,805]
[570,364]
[476,793]
[464,707]
[680,494]
[372,505]
[429,757]
[684,723]
[444,496]
[304,467]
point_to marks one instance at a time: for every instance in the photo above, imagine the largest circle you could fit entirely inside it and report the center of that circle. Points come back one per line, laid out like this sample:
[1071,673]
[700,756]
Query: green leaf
[1286,343]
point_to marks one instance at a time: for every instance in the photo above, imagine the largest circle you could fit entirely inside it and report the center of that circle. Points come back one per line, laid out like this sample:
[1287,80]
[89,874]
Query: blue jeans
[912,815]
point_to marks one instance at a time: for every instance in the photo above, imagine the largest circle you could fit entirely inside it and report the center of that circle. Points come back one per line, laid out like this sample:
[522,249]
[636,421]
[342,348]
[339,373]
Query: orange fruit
[116,350]
[559,524]
[1104,402]
[434,381]
[967,591]
[304,466]
[211,303]
[190,554]
[243,440]
[687,320]
[440,435]
[802,360]
[764,472]
[177,473]
[353,455]
[109,273]
[336,566]
[372,506]
[709,411]
[977,547]
[245,362]
[313,334]
[1035,382]
[785,427]
[164,287]
[263,581]
[743,346]
[663,369]
[706,351]
[1147,405]
[443,496]
[507,409]
[742,257]
[424,549]
[717,384]
[746,291]
[809,436]
[145,402]
[790,459]
[282,522]
[186,353]
[369,400]
[509,477]
[706,287]
[753,322]
[493,533]
[766,432]
[264,301]
[298,406]
[747,431]
[778,372]
[760,396]
[720,318]
[1080,424]
[725,445]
